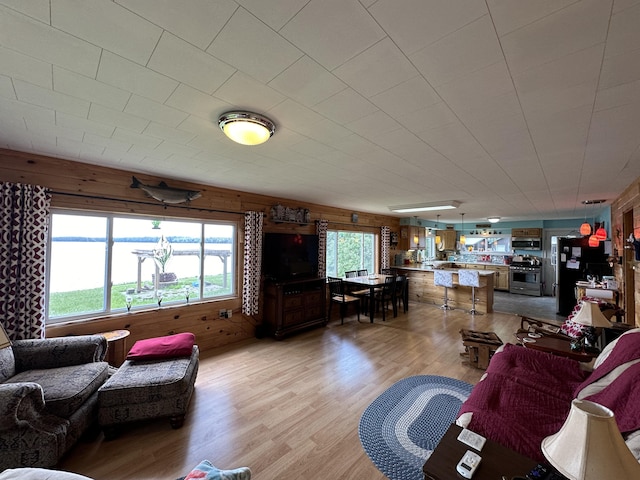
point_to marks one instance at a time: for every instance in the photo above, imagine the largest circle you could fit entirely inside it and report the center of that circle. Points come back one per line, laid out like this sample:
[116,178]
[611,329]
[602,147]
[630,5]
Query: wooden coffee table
[557,346]
[497,461]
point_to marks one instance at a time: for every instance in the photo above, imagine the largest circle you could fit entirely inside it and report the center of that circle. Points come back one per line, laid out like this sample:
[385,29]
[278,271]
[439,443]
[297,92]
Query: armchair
[48,397]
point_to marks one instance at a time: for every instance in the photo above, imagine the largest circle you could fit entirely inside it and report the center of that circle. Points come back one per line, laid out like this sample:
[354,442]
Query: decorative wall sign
[282,214]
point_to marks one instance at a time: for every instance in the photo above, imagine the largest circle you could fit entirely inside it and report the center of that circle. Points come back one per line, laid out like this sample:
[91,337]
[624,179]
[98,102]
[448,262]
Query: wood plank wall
[628,201]
[93,187]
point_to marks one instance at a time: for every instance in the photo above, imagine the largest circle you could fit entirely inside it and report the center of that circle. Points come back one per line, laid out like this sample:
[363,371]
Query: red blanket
[525,397]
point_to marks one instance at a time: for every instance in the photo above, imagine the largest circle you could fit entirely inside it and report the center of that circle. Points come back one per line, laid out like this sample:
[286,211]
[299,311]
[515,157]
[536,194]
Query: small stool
[146,389]
[479,347]
[470,278]
[443,278]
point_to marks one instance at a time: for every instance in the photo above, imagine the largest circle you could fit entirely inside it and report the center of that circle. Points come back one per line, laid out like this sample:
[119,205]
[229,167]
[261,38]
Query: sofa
[48,397]
[525,395]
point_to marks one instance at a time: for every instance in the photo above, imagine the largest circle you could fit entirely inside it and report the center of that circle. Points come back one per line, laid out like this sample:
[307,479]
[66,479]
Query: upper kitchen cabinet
[448,239]
[411,238]
[527,232]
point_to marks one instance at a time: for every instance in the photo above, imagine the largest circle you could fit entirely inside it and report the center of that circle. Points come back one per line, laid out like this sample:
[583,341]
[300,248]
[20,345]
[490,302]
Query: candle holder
[128,302]
[159,299]
[187,293]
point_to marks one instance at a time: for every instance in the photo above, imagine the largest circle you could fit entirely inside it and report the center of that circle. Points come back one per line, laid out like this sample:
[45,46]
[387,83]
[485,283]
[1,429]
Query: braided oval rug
[402,427]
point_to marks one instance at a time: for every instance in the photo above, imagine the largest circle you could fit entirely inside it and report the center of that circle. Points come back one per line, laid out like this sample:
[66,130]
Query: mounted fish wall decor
[166,194]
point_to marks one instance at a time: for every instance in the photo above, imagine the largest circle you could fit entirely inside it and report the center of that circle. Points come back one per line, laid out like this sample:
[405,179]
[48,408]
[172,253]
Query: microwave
[519,243]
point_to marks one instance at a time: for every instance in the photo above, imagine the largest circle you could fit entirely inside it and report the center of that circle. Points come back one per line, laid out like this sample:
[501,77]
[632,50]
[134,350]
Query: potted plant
[161,255]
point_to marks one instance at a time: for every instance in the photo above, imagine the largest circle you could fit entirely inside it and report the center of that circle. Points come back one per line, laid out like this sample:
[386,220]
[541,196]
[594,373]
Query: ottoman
[147,389]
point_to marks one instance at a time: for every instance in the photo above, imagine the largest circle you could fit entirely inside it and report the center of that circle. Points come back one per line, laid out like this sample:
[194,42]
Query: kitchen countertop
[428,268]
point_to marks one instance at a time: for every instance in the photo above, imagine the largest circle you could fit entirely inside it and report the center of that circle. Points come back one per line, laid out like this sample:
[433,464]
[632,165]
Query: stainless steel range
[526,277]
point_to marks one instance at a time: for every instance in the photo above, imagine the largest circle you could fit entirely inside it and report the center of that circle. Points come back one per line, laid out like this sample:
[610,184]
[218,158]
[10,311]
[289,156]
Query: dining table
[372,282]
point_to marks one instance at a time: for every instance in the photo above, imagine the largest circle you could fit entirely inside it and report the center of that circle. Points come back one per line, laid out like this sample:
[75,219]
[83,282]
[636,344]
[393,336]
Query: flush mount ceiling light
[493,219]
[425,207]
[246,128]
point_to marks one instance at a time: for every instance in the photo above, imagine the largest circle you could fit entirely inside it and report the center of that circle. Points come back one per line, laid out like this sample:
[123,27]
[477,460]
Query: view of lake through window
[99,264]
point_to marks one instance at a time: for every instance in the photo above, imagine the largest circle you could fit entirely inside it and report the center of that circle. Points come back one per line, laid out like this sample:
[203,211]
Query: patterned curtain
[385,234]
[321,230]
[252,262]
[24,223]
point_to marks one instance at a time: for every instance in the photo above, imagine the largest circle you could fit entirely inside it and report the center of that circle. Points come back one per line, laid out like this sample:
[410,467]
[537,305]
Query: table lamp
[591,317]
[589,446]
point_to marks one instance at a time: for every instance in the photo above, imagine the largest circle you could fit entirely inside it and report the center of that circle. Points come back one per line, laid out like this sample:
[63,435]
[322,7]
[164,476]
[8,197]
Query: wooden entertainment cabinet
[294,305]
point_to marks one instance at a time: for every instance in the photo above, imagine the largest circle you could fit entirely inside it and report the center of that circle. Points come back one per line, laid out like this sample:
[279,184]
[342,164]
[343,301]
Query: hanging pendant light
[463,239]
[438,239]
[601,233]
[585,228]
[593,241]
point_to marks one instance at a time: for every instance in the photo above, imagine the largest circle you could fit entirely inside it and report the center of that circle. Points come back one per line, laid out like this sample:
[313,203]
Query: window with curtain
[347,250]
[101,263]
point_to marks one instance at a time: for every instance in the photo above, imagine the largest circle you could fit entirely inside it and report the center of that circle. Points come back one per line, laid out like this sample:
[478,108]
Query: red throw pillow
[178,345]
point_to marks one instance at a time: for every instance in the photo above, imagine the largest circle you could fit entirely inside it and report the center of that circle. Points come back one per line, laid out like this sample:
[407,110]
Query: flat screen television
[289,256]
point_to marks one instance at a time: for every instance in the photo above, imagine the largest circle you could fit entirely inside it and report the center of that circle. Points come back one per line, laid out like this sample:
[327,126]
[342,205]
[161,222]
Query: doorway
[628,262]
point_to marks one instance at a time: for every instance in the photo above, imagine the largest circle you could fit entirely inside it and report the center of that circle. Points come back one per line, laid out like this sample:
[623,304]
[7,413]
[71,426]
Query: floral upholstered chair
[48,397]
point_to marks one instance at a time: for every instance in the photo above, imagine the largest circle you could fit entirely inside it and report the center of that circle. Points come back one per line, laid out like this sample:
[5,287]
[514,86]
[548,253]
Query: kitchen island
[422,288]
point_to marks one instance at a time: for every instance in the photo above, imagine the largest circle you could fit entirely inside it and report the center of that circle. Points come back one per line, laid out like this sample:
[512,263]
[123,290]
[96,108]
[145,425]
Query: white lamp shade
[589,446]
[591,316]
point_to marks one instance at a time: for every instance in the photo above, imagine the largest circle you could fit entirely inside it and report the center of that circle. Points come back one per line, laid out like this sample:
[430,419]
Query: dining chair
[387,295]
[444,278]
[363,273]
[338,295]
[351,274]
[470,278]
[401,285]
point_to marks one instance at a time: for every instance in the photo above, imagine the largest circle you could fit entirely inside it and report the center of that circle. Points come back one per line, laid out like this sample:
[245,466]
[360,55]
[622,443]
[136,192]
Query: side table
[497,461]
[116,346]
[557,346]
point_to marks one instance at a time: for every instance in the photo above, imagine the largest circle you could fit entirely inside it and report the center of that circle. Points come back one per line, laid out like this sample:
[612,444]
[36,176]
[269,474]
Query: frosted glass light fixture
[246,128]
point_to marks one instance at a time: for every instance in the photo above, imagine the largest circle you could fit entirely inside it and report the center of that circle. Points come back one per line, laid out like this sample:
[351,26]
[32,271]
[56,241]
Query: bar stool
[443,278]
[470,278]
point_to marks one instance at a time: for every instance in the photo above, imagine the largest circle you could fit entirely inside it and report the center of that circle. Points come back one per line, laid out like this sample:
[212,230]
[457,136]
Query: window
[105,263]
[349,251]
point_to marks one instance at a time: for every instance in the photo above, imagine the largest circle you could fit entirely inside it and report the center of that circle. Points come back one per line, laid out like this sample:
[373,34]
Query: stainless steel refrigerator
[576,261]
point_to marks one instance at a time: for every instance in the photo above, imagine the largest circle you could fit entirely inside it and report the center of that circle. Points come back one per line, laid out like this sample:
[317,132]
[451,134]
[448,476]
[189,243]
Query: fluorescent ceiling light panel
[425,207]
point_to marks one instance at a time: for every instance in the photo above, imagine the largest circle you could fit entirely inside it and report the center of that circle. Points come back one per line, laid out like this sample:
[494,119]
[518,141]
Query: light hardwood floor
[290,409]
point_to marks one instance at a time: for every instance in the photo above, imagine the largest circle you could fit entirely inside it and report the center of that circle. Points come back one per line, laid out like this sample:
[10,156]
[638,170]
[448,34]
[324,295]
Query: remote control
[473,439]
[469,463]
